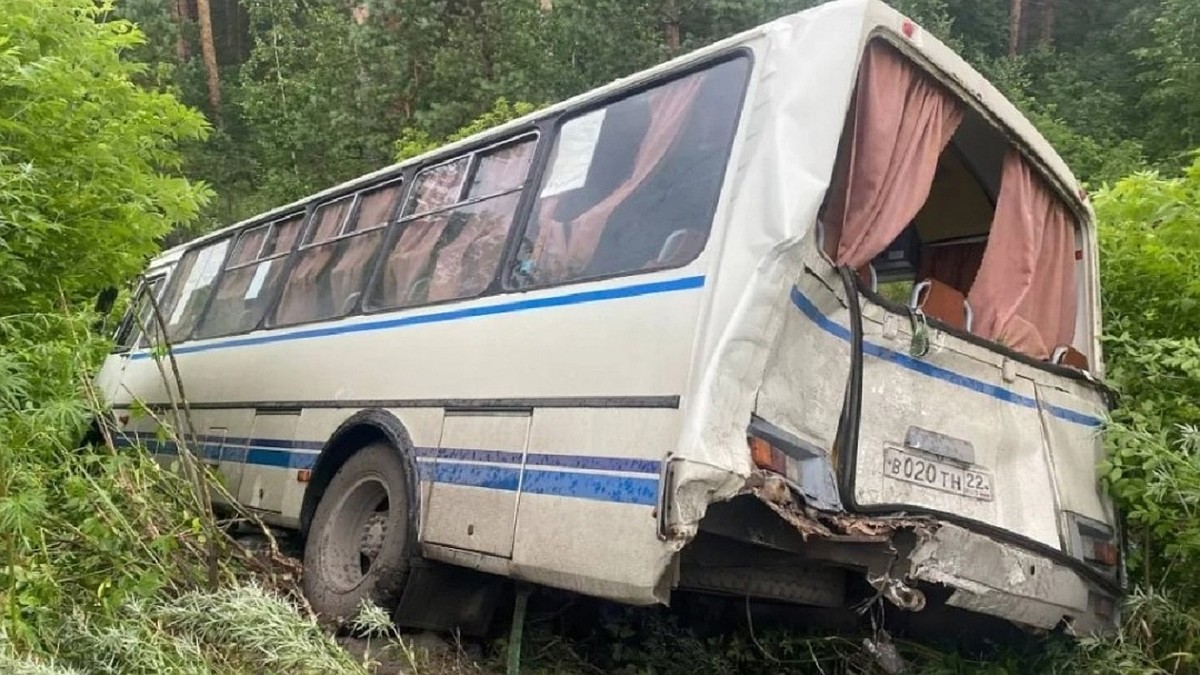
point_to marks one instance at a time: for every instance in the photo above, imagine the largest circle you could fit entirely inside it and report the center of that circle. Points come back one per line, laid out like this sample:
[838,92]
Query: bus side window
[452,239]
[190,286]
[632,186]
[332,266]
[251,277]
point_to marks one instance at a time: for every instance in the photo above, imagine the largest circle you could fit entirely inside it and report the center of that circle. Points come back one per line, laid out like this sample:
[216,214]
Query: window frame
[556,124]
[539,129]
[310,225]
[177,279]
[236,237]
[128,321]
[535,132]
[402,179]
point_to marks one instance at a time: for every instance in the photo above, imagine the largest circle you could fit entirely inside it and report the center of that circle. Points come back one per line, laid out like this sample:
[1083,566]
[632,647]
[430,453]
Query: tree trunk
[1014,27]
[1048,10]
[209,51]
[672,28]
[179,14]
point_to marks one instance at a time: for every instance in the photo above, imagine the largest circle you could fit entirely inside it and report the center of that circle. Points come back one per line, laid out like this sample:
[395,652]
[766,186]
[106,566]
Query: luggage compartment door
[477,476]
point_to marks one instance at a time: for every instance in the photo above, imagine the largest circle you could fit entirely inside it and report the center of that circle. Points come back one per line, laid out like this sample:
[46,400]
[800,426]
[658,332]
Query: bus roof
[876,18]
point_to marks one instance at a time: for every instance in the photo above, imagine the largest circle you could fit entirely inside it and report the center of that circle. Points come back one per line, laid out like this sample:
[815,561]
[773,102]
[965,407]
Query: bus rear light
[303,475]
[766,456]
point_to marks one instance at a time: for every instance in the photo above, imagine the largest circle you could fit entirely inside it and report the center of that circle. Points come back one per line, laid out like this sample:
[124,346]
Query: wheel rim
[357,532]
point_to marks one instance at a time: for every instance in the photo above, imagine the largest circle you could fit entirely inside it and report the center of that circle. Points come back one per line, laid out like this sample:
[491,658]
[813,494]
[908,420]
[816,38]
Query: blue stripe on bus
[584,297]
[809,310]
[488,469]
[593,486]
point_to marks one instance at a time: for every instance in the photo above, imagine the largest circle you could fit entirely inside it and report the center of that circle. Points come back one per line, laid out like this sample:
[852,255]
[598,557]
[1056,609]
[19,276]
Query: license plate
[931,473]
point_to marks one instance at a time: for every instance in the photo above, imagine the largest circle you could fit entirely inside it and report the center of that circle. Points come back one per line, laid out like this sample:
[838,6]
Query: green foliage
[414,142]
[109,561]
[108,557]
[1150,245]
[87,158]
[1171,76]
[1150,240]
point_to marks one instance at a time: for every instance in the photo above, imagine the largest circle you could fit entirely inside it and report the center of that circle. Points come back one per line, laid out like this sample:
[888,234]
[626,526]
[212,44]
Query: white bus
[809,315]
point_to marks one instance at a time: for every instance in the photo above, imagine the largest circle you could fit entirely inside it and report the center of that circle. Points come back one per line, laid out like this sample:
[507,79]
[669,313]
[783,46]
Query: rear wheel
[358,544]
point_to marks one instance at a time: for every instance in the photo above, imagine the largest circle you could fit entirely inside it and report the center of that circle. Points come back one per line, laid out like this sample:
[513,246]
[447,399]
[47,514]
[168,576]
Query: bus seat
[1066,355]
[942,302]
[350,302]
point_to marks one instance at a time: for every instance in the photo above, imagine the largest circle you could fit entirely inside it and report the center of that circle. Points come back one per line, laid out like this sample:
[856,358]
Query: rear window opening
[940,215]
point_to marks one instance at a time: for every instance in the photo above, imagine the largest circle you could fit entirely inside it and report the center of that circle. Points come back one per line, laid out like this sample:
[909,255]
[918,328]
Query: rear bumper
[998,579]
[904,556]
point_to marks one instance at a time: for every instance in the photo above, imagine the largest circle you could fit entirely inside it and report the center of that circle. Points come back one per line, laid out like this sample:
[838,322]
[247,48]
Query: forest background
[128,126]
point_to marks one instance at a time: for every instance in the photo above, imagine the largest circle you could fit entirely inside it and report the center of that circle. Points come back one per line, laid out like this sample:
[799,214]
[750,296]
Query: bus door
[129,337]
[476,483]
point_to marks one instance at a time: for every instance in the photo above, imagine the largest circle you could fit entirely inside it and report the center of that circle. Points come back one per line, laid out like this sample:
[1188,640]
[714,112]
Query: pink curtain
[902,122]
[374,210]
[558,255]
[502,170]
[1024,294]
[466,265]
[345,278]
[248,246]
[438,187]
[411,256]
[299,301]
[283,237]
[329,220]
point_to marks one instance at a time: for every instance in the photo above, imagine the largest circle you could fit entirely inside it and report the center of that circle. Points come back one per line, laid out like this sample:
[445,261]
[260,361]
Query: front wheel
[358,546]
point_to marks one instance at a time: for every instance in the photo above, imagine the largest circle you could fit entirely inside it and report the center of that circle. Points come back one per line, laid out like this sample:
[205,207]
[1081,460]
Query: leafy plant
[87,157]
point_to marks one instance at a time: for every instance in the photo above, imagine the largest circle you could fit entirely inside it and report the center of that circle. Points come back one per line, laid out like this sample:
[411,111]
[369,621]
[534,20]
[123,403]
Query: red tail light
[766,456]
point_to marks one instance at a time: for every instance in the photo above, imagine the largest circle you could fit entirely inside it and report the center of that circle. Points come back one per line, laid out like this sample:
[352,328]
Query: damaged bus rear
[896,391]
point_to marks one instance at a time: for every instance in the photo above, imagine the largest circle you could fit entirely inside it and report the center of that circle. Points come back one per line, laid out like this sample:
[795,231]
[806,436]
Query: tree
[88,159]
[179,15]
[1015,11]
[208,50]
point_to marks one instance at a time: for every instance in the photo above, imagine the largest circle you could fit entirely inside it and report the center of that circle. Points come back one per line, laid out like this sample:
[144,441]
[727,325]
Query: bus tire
[359,544]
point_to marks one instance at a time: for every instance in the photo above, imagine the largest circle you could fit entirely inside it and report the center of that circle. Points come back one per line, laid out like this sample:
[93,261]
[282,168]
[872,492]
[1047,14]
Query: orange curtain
[1024,295]
[902,122]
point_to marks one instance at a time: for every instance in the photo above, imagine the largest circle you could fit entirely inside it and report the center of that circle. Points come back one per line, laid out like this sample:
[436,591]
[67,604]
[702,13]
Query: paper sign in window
[204,270]
[576,147]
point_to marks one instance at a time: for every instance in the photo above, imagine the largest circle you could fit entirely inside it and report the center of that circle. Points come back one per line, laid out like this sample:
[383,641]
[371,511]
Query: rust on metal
[777,494]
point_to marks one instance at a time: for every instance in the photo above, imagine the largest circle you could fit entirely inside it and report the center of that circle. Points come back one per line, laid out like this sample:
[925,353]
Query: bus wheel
[358,544]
